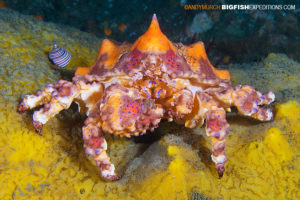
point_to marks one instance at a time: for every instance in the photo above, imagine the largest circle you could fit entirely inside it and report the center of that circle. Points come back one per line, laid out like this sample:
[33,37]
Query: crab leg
[40,98]
[54,97]
[247,101]
[216,127]
[96,146]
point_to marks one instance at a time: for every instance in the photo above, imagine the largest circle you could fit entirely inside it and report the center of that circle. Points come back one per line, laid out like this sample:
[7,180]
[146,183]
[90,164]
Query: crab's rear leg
[54,97]
[248,101]
[96,146]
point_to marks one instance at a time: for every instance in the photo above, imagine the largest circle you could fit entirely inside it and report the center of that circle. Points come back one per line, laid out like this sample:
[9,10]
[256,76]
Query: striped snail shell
[59,56]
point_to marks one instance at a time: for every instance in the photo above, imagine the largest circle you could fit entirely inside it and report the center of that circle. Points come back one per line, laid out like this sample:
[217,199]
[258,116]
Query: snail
[59,56]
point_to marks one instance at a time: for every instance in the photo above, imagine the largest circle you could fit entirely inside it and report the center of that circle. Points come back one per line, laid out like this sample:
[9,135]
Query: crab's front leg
[205,107]
[96,146]
[217,127]
[54,98]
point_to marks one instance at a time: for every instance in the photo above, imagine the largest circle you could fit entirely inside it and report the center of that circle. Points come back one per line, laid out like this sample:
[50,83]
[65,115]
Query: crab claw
[126,112]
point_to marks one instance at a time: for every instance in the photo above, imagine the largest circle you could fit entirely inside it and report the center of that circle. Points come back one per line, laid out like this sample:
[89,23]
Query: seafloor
[263,158]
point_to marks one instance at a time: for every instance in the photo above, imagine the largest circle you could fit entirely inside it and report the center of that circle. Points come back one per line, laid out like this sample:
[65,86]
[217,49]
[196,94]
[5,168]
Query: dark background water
[230,36]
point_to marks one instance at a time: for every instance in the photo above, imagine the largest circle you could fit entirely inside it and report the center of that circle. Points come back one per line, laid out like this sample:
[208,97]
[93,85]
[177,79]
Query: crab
[132,87]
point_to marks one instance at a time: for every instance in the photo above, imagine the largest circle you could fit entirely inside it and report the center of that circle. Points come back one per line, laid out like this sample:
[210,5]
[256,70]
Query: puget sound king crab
[131,87]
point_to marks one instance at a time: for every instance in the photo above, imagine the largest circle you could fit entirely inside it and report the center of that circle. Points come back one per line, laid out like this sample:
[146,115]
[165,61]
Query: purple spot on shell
[158,93]
[97,151]
[217,134]
[255,110]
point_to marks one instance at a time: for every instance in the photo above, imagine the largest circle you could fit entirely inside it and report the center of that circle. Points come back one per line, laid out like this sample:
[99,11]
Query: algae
[263,158]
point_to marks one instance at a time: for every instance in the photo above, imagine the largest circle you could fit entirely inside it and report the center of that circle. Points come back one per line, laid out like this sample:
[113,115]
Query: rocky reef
[171,163]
